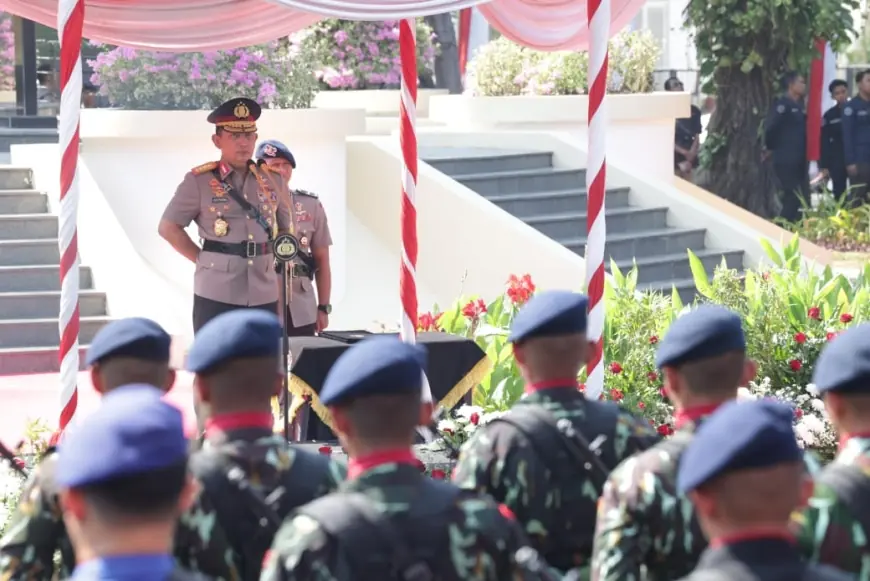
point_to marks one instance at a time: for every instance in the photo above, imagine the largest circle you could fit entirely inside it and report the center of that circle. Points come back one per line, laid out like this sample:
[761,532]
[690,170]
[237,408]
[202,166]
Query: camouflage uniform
[827,532]
[501,462]
[36,531]
[481,540]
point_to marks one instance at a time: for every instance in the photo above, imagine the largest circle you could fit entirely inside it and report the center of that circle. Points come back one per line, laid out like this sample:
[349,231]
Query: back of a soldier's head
[744,468]
[236,361]
[842,376]
[124,469]
[133,350]
[549,336]
[374,392]
[703,355]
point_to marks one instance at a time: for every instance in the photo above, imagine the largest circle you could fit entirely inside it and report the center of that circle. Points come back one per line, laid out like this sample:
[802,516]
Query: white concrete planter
[375,103]
[640,126]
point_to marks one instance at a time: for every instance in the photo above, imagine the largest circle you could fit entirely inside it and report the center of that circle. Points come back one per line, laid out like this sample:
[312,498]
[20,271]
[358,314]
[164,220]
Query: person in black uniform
[785,138]
[745,475]
[856,139]
[832,161]
[686,136]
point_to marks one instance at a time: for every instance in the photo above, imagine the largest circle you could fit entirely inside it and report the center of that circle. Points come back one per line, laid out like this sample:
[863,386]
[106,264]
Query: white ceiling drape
[201,25]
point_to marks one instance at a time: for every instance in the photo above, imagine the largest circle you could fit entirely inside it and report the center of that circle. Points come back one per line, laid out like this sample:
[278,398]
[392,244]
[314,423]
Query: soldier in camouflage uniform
[390,521]
[251,477]
[548,458]
[121,503]
[128,351]
[745,474]
[832,528]
[643,524]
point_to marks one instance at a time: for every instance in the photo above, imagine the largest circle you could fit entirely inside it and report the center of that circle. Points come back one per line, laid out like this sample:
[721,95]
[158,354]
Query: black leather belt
[244,249]
[301,270]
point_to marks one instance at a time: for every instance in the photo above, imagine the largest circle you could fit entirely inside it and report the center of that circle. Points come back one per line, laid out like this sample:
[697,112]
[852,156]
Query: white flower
[812,389]
[447,426]
[743,394]
[818,405]
[813,423]
[805,436]
[467,411]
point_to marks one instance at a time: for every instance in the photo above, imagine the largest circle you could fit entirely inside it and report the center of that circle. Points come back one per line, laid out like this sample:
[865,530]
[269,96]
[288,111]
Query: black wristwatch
[325,309]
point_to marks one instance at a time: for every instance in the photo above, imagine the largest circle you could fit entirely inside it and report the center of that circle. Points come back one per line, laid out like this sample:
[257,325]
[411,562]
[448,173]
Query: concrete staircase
[553,201]
[30,281]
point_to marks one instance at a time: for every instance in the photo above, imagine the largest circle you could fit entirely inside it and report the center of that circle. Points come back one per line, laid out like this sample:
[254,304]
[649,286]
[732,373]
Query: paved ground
[28,397]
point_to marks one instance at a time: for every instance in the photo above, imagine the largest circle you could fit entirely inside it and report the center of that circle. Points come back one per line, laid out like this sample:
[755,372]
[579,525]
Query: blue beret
[272,149]
[234,335]
[550,313]
[132,431]
[706,331]
[739,435]
[134,337]
[844,363]
[375,366]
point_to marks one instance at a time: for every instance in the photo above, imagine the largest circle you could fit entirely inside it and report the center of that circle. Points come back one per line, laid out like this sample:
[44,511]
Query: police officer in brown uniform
[308,312]
[239,208]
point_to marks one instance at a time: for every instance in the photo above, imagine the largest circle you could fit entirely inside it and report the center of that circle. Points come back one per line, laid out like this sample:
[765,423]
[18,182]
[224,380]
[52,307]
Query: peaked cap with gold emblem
[236,115]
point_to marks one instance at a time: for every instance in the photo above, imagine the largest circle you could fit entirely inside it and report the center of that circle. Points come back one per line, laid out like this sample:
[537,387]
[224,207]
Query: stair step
[38,278]
[483,164]
[26,333]
[23,202]
[669,267]
[28,227]
[685,288]
[524,181]
[644,243]
[10,137]
[15,178]
[619,220]
[46,304]
[554,202]
[17,361]
[28,252]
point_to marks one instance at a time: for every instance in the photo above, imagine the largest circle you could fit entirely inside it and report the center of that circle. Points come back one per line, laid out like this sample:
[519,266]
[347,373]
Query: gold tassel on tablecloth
[471,380]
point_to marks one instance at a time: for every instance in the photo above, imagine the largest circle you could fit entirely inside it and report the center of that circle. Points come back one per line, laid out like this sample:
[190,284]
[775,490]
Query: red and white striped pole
[408,140]
[70,20]
[598,18]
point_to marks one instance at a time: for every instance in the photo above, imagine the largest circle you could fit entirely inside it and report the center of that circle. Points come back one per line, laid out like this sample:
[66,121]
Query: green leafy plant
[503,68]
[834,224]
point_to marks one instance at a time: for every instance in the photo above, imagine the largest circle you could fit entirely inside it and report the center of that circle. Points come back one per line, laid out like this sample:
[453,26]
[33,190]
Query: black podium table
[456,366]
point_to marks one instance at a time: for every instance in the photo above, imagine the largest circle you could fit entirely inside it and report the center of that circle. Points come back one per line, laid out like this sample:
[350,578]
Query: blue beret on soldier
[133,337]
[272,149]
[707,331]
[843,365]
[739,436]
[550,313]
[234,335]
[237,115]
[375,366]
[133,431]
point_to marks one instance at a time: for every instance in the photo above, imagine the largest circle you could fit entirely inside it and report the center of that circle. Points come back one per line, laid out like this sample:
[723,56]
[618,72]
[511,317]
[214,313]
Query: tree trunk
[736,171]
[447,60]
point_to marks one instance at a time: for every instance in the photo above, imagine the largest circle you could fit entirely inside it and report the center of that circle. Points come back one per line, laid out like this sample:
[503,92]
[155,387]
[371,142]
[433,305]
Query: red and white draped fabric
[822,72]
[203,25]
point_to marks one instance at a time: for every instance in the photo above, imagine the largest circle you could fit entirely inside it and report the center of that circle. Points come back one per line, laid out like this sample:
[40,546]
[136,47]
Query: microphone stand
[285,249]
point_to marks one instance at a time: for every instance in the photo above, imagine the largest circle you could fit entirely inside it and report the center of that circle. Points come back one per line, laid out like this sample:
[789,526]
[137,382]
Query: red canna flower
[520,289]
[325,450]
[798,413]
[428,322]
[616,395]
[829,336]
[653,340]
[641,405]
[846,318]
[474,418]
[439,474]
[448,431]
[814,313]
[795,364]
[581,386]
[615,368]
[474,309]
[800,338]
[652,376]
[665,430]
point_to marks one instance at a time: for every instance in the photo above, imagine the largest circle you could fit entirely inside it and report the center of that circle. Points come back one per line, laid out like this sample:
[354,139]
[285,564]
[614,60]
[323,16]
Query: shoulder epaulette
[206,167]
[306,193]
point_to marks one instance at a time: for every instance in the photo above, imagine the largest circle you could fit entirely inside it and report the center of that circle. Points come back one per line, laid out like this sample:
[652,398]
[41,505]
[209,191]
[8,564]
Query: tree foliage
[744,47]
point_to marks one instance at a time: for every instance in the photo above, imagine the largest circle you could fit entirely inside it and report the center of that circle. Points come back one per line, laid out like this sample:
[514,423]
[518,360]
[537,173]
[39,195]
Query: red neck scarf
[550,383]
[357,466]
[848,436]
[228,422]
[752,535]
[693,414]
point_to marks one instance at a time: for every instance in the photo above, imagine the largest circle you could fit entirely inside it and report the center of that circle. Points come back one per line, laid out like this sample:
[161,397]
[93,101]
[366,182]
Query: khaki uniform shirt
[312,231]
[199,198]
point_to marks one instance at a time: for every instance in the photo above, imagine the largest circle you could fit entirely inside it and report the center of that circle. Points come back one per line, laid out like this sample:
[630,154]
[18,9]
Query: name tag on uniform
[835,121]
[218,200]
[862,113]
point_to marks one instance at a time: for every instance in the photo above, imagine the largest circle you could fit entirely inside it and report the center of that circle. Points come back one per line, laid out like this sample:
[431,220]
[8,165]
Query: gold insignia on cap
[241,111]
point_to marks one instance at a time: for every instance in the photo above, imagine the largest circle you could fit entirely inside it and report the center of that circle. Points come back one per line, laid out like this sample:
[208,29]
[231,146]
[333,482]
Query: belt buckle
[250,249]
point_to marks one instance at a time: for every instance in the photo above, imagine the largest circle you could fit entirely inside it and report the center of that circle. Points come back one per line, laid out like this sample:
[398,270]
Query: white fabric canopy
[201,25]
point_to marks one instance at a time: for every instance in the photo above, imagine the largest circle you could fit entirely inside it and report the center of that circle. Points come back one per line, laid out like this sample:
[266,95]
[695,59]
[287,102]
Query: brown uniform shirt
[312,231]
[222,277]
